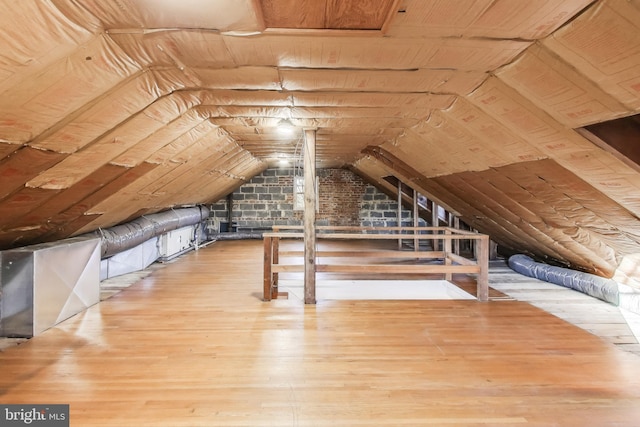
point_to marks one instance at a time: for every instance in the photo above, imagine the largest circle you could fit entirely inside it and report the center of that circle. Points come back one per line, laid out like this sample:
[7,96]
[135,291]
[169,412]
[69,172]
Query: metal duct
[126,236]
[595,286]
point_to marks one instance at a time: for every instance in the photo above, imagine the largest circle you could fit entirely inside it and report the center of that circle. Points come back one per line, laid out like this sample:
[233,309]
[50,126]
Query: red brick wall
[340,193]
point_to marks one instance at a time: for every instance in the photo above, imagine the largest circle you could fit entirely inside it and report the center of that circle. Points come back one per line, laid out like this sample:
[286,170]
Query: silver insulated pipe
[126,236]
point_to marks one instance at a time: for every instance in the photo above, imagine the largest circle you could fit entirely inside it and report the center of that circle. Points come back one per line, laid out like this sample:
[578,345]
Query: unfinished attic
[328,212]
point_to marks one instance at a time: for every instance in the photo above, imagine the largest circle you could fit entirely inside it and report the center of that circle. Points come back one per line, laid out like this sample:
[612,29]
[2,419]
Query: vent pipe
[126,236]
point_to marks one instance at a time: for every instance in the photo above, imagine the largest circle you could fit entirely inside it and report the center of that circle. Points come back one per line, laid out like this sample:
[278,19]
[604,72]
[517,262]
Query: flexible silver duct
[590,284]
[126,236]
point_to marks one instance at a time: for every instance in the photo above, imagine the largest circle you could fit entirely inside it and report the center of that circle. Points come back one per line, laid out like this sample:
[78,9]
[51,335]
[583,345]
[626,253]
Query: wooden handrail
[452,263]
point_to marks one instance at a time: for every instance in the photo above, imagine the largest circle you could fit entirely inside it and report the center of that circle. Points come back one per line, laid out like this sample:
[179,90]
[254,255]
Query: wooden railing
[441,237]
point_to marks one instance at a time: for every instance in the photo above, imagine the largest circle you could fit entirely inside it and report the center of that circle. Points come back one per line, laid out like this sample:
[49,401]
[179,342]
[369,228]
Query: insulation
[604,44]
[483,18]
[112,110]
[557,88]
[595,286]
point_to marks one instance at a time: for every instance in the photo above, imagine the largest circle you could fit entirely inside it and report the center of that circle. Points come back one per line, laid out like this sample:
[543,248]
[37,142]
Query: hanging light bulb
[285,126]
[285,123]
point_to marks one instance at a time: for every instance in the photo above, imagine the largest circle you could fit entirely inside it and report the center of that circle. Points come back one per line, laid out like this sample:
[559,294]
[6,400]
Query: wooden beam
[275,259]
[435,222]
[446,243]
[416,216]
[399,269]
[309,221]
[399,214]
[230,211]
[268,254]
[482,281]
[456,244]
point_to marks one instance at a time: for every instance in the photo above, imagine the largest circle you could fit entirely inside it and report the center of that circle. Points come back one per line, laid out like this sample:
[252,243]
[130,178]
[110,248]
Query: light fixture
[285,123]
[286,128]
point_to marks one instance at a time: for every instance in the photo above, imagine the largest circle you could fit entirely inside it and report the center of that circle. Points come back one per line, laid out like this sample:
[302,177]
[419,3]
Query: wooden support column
[447,251]
[435,222]
[399,214]
[275,260]
[230,212]
[456,244]
[482,251]
[493,250]
[267,277]
[416,241]
[309,221]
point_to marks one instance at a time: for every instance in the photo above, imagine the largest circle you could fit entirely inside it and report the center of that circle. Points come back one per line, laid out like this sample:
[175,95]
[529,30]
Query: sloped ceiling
[110,110]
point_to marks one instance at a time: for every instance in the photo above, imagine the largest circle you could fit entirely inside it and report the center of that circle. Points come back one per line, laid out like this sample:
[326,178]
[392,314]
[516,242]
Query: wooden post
[435,222]
[267,275]
[399,215]
[309,221]
[456,244]
[416,241]
[493,250]
[230,212]
[447,250]
[482,251]
[275,251]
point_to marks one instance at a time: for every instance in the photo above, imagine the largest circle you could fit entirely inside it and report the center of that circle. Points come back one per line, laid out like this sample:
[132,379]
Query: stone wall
[344,199]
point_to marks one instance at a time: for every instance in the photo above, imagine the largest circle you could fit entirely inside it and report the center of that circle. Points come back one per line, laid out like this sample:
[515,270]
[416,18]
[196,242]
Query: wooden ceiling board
[294,13]
[14,206]
[23,165]
[23,237]
[70,228]
[326,14]
[8,149]
[357,14]
[52,207]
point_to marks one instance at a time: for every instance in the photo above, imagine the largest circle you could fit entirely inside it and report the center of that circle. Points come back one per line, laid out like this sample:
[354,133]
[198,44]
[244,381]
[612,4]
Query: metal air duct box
[42,285]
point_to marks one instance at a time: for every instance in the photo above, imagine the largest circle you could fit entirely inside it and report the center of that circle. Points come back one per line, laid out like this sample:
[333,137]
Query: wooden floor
[192,344]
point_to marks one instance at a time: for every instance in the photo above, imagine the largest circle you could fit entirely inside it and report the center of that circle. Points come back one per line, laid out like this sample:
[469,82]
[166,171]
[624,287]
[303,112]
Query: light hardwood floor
[192,344]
